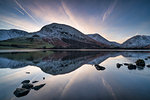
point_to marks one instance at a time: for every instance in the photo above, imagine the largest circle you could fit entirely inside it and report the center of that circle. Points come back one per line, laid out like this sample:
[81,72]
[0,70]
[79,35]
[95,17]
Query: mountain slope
[58,35]
[67,36]
[101,39]
[13,33]
[138,41]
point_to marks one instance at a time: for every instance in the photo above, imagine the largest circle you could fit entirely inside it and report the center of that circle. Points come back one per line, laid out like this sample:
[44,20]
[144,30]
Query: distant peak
[55,26]
[95,35]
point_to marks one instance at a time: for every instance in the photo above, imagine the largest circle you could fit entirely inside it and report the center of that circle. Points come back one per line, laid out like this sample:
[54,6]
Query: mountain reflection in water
[59,62]
[61,65]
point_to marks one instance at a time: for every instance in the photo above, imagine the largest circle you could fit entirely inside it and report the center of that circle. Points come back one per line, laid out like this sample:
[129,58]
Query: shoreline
[92,50]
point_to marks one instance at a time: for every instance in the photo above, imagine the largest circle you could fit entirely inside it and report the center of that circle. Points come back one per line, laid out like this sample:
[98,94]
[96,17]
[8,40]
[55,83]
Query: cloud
[20,23]
[109,10]
[21,7]
[69,14]
[19,11]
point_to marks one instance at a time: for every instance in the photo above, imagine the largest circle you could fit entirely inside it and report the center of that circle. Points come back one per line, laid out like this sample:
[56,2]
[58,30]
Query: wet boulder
[27,72]
[131,66]
[148,66]
[38,87]
[118,65]
[98,67]
[19,92]
[35,81]
[146,58]
[27,85]
[25,81]
[140,62]
[126,64]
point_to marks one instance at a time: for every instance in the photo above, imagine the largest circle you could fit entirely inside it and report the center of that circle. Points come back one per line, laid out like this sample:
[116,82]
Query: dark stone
[27,72]
[35,36]
[126,64]
[27,85]
[38,87]
[131,66]
[19,92]
[98,67]
[43,78]
[148,66]
[146,58]
[35,81]
[140,62]
[118,65]
[25,81]
[140,67]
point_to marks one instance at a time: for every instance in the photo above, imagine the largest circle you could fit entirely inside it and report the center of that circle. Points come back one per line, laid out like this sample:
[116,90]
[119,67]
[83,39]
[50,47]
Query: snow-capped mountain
[63,36]
[138,41]
[13,33]
[58,35]
[101,39]
[67,36]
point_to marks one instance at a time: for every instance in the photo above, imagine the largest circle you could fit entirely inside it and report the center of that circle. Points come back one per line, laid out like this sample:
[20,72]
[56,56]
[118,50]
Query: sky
[116,20]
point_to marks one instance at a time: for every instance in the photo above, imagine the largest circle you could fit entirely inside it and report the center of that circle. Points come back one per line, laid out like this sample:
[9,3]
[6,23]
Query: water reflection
[64,62]
[100,75]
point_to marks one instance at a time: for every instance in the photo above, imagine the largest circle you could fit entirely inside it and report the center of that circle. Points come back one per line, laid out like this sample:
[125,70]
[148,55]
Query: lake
[78,74]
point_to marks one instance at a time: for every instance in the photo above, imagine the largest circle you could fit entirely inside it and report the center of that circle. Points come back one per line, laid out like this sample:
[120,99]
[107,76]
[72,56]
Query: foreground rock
[35,81]
[27,72]
[118,65]
[126,64]
[98,67]
[140,62]
[27,86]
[38,87]
[131,66]
[148,66]
[146,58]
[19,92]
[25,81]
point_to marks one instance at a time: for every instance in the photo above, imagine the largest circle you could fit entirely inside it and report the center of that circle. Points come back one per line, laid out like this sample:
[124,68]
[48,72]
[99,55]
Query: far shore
[104,50]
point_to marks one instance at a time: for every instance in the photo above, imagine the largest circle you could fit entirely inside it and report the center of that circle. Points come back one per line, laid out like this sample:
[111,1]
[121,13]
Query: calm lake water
[73,75]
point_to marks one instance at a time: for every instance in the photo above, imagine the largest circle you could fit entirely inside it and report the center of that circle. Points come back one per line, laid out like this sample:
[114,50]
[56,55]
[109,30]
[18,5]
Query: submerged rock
[126,64]
[140,67]
[27,72]
[131,66]
[35,81]
[146,58]
[140,62]
[118,65]
[27,85]
[98,67]
[19,92]
[38,87]
[25,81]
[148,66]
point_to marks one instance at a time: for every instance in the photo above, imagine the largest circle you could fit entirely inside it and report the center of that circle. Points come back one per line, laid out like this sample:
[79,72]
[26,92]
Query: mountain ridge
[65,36]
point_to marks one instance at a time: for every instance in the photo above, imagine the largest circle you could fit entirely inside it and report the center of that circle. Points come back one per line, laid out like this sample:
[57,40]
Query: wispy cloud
[21,7]
[109,10]
[19,11]
[69,14]
[20,23]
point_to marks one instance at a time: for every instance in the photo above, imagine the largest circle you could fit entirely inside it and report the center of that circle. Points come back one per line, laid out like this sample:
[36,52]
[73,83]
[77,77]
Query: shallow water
[73,75]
